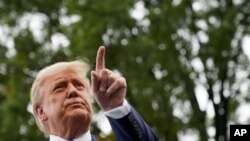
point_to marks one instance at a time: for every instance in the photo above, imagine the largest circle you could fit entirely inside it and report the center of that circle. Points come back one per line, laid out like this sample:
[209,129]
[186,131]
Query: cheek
[88,103]
[89,106]
[54,100]
[54,105]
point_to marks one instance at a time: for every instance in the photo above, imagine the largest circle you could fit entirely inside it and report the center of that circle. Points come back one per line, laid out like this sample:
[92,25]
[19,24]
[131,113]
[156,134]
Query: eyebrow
[57,82]
[60,81]
[75,80]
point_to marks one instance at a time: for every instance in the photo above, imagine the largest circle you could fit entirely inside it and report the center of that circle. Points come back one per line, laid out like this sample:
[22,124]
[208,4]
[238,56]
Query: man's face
[65,100]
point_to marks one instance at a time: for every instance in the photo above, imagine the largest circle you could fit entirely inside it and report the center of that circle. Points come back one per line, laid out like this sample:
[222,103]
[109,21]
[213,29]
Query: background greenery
[157,50]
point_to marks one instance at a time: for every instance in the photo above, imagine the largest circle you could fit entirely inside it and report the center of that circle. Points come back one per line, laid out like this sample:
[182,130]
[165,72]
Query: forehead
[66,74]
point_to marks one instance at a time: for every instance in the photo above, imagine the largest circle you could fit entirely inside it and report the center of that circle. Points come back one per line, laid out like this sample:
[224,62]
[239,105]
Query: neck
[69,130]
[70,134]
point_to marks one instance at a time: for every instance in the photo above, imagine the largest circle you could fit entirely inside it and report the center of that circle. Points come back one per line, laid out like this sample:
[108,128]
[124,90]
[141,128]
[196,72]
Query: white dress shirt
[115,113]
[84,137]
[120,111]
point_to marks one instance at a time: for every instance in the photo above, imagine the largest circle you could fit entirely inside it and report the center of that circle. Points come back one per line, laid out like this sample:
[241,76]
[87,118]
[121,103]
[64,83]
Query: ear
[40,113]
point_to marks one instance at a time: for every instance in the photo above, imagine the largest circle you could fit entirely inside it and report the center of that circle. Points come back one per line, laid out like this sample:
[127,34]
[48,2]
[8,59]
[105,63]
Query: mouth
[75,104]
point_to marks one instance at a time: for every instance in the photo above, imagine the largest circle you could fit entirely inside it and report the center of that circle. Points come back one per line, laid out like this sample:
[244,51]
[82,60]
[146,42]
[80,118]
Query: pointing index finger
[100,58]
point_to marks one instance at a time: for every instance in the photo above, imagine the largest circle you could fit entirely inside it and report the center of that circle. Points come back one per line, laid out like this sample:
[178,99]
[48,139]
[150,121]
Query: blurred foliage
[166,50]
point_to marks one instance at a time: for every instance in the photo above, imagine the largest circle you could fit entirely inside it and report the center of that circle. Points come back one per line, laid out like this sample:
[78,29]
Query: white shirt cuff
[120,111]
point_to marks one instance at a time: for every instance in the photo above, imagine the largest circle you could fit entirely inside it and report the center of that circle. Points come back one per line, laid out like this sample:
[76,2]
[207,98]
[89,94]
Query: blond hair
[79,66]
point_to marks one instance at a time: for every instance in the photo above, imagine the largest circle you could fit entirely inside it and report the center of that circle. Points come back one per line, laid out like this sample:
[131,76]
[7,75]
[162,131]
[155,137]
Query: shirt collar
[84,137]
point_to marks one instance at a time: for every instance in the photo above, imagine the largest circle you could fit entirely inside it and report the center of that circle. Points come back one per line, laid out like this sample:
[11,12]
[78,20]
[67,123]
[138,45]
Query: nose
[72,91]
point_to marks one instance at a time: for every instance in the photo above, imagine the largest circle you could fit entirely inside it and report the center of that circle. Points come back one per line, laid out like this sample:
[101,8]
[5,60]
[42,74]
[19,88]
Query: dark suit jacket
[93,138]
[132,128]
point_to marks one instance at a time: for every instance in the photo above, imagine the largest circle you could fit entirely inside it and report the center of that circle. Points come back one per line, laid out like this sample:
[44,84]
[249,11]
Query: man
[59,96]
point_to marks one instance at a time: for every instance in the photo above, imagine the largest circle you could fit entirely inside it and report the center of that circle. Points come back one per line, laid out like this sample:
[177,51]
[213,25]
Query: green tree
[165,49]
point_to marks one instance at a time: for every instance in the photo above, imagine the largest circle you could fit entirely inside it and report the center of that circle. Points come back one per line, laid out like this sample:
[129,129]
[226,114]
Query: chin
[80,114]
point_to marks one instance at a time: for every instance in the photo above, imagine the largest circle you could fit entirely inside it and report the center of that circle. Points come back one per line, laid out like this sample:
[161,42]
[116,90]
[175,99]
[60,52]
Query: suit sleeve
[132,128]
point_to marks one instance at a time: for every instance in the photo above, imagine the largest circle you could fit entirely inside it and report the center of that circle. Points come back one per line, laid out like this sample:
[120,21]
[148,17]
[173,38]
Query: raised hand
[109,88]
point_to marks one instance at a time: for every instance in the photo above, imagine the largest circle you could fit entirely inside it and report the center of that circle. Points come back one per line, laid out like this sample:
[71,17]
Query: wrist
[111,105]
[120,111]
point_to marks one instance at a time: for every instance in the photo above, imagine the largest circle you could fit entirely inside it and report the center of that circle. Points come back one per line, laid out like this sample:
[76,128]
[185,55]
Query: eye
[59,87]
[79,86]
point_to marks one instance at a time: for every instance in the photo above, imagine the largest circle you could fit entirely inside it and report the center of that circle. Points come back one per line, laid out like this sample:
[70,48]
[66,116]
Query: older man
[60,99]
